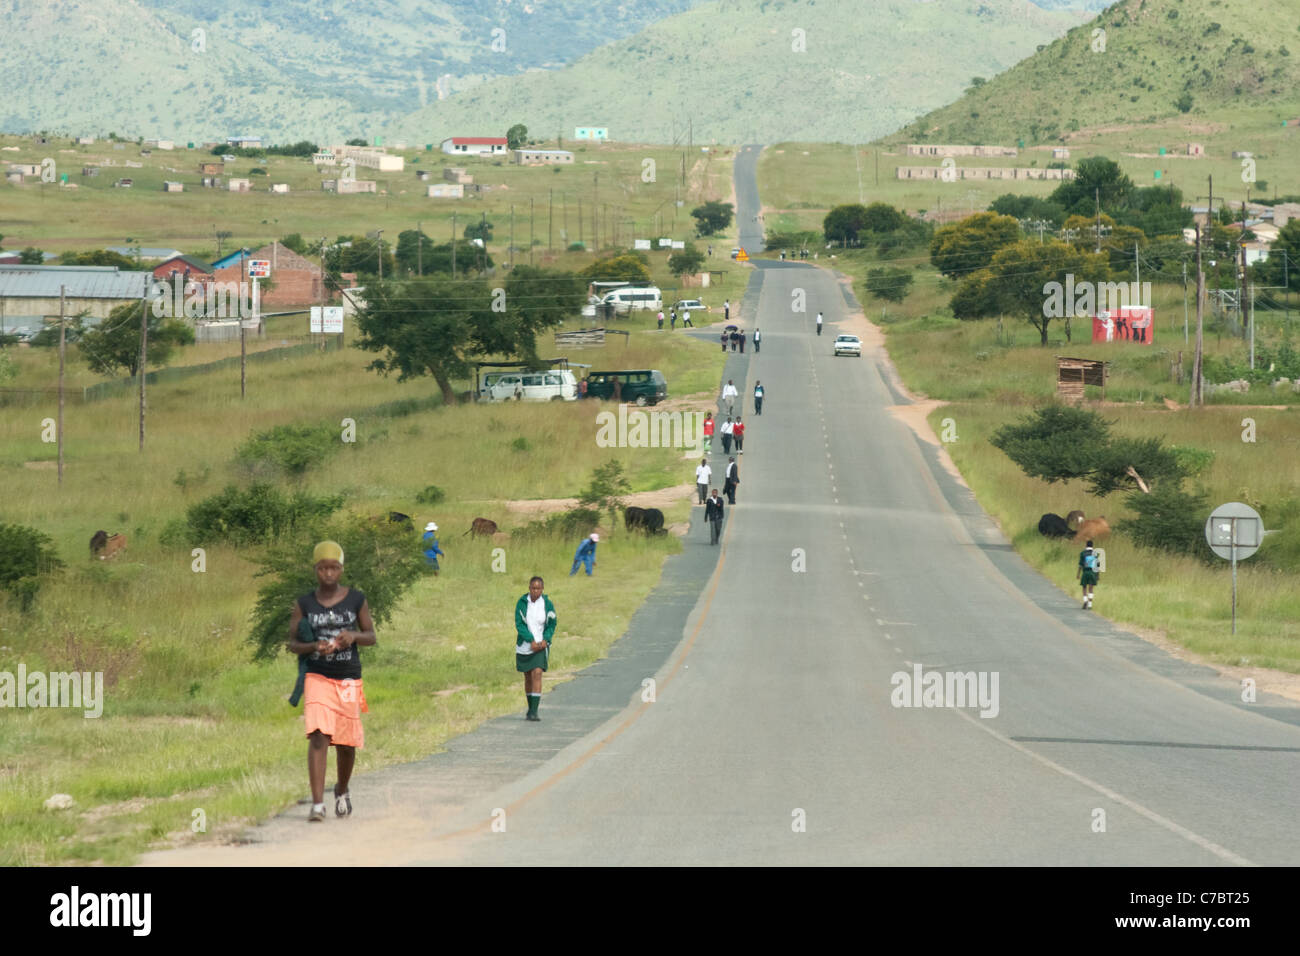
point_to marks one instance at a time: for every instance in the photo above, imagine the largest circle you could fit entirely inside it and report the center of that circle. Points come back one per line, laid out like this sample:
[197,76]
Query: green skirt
[528,662]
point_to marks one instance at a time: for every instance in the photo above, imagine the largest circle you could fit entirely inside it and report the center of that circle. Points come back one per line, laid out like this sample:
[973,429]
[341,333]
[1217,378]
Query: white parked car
[690,305]
[848,345]
[558,385]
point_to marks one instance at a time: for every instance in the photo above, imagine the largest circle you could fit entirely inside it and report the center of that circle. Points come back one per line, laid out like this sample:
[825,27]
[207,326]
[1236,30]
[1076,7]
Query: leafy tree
[975,298]
[295,242]
[607,483]
[114,344]
[292,448]
[1028,207]
[799,239]
[966,246]
[622,268]
[26,555]
[1168,519]
[712,217]
[516,136]
[889,283]
[1021,273]
[881,218]
[687,260]
[1093,174]
[356,141]
[479,230]
[1184,102]
[381,561]
[844,222]
[251,514]
[437,326]
[361,257]
[1283,262]
[96,257]
[31,256]
[413,250]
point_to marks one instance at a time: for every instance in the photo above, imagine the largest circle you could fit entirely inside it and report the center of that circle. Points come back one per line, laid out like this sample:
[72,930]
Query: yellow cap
[327,551]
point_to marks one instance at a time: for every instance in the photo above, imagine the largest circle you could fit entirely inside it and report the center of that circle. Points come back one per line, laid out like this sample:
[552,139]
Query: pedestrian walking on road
[725,339]
[708,432]
[727,428]
[758,341]
[729,396]
[713,516]
[732,480]
[726,310]
[686,320]
[738,436]
[585,555]
[758,398]
[327,629]
[703,475]
[742,341]
[735,340]
[673,321]
[819,323]
[1087,573]
[661,320]
[534,631]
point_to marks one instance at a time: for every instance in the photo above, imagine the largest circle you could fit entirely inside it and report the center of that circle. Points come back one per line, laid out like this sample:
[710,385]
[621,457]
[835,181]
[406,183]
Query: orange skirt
[334,708]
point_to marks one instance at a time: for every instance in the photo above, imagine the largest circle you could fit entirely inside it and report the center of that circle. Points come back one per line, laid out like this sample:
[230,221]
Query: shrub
[575,523]
[25,556]
[377,559]
[290,448]
[1169,519]
[520,444]
[257,513]
[431,495]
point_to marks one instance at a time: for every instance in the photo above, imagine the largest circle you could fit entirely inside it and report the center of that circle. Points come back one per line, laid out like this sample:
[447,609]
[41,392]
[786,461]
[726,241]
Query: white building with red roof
[475,145]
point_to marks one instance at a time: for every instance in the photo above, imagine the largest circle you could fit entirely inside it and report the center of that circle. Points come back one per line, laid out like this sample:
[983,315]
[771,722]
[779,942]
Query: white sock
[318,806]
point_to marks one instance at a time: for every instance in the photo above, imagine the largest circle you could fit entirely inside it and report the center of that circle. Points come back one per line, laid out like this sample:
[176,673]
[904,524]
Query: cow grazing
[482,526]
[396,517]
[649,520]
[104,545]
[1093,528]
[1053,526]
[1073,519]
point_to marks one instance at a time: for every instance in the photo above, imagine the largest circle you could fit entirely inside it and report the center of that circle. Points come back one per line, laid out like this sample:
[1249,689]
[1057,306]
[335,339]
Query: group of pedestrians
[672,327]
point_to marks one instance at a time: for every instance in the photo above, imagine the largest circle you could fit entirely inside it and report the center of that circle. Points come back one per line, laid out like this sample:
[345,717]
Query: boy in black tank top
[340,624]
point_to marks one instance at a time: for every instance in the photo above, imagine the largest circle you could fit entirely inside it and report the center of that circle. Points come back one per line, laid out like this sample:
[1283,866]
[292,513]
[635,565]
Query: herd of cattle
[1074,525]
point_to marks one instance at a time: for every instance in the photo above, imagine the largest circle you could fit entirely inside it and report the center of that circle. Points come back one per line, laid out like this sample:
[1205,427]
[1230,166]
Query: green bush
[378,559]
[520,444]
[25,556]
[290,448]
[1169,519]
[575,523]
[431,495]
[255,514]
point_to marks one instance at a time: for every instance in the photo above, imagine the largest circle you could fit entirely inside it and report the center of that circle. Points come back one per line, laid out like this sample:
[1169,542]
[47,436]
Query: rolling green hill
[761,71]
[1195,65]
[318,69]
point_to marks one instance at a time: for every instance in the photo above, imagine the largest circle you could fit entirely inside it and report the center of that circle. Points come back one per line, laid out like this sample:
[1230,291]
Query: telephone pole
[1097,197]
[62,350]
[1197,397]
[144,341]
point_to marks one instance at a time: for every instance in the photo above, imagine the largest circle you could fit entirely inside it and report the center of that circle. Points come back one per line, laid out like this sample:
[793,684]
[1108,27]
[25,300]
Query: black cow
[396,517]
[1053,526]
[97,542]
[649,520]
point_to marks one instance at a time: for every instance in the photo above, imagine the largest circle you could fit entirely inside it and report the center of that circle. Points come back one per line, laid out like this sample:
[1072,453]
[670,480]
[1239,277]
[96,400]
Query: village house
[169,186]
[348,186]
[543,157]
[475,145]
[369,157]
[599,133]
[212,167]
[235,185]
[294,280]
[29,295]
[456,174]
[446,191]
[928,149]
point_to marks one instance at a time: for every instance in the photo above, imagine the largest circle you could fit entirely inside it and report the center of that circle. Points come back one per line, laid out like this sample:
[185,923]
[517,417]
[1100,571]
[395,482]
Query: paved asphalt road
[851,556]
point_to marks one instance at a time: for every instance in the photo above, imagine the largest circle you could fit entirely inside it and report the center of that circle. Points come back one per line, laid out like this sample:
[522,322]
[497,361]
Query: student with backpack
[1088,572]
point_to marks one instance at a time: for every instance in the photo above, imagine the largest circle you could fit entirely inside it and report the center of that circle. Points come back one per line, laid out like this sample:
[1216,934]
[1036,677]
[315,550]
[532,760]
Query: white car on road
[848,345]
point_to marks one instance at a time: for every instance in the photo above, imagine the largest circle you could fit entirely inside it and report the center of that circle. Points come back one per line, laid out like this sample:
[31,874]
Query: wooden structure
[1072,374]
[588,338]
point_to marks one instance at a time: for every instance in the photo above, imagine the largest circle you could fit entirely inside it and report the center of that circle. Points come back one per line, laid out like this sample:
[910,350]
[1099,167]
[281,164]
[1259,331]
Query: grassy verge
[189,722]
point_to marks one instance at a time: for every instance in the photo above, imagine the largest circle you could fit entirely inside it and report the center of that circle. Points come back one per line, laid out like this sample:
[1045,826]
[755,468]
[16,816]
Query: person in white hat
[585,555]
[431,549]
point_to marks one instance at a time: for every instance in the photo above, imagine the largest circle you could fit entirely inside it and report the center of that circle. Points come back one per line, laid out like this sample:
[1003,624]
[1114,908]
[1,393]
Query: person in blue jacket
[586,554]
[431,549]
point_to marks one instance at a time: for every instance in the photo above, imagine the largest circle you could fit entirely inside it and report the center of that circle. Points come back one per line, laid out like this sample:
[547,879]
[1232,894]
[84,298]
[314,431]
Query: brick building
[294,280]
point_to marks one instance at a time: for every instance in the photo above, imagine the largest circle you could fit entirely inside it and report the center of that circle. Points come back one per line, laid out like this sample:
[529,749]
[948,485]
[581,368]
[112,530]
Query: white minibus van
[634,297]
[554,385]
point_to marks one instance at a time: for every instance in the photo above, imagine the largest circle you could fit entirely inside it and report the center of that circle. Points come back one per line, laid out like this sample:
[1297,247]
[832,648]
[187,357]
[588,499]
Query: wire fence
[104,390]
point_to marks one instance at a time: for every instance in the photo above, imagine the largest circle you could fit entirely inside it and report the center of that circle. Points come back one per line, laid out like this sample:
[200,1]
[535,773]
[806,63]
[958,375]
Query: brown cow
[110,545]
[1073,519]
[482,526]
[1092,528]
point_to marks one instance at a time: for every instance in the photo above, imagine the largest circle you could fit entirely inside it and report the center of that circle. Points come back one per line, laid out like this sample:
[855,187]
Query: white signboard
[665,243]
[259,268]
[679,244]
[315,319]
[641,244]
[333,320]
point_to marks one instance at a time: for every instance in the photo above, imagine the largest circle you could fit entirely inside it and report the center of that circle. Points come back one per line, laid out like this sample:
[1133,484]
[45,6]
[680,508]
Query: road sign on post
[1234,531]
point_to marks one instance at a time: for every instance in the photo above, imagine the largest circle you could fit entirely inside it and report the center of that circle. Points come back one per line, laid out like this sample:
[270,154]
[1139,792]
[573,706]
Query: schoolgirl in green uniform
[534,629]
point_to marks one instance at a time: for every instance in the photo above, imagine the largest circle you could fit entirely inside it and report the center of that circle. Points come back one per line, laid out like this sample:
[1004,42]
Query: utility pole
[62,350]
[595,199]
[380,238]
[1097,196]
[579,220]
[1184,301]
[1197,397]
[144,342]
[243,332]
[419,248]
[512,236]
